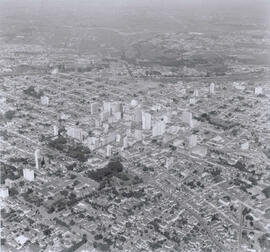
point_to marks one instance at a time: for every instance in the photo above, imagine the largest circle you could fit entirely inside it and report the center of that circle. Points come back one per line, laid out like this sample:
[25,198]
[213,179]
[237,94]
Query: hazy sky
[256,8]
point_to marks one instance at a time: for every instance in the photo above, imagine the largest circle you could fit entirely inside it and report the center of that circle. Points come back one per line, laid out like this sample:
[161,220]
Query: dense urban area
[131,139]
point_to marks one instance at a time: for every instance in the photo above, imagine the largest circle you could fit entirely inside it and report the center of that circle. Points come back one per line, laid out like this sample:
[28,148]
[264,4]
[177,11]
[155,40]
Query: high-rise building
[107,107]
[212,88]
[117,107]
[159,128]
[37,158]
[55,130]
[196,92]
[146,121]
[92,143]
[44,100]
[4,192]
[77,133]
[28,174]
[104,116]
[138,135]
[125,142]
[192,141]
[118,138]
[94,108]
[138,115]
[109,151]
[117,115]
[187,118]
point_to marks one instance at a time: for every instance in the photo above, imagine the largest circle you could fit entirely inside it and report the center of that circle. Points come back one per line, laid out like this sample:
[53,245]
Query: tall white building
[44,100]
[196,92]
[212,88]
[138,135]
[92,143]
[187,118]
[159,128]
[55,130]
[118,138]
[117,107]
[192,141]
[4,192]
[138,115]
[94,108]
[77,133]
[104,116]
[146,121]
[28,174]
[117,115]
[107,107]
[109,150]
[125,142]
[37,158]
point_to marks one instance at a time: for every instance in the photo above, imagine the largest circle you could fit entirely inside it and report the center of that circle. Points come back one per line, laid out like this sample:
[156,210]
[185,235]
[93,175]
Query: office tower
[196,93]
[187,118]
[4,192]
[155,130]
[109,151]
[92,143]
[192,141]
[28,174]
[133,103]
[138,115]
[94,108]
[138,135]
[104,116]
[258,91]
[117,107]
[146,121]
[212,88]
[118,138]
[55,130]
[77,133]
[107,107]
[159,128]
[125,142]
[37,158]
[44,100]
[117,115]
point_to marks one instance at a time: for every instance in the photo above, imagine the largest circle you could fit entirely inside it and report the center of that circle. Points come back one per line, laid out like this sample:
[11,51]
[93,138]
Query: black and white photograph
[135,125]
